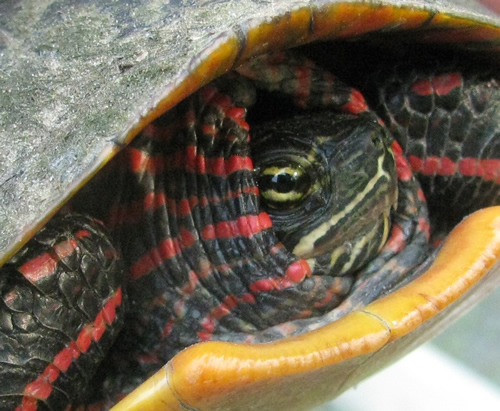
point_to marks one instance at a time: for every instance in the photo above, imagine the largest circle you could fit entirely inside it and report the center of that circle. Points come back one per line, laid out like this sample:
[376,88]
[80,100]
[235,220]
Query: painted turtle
[91,68]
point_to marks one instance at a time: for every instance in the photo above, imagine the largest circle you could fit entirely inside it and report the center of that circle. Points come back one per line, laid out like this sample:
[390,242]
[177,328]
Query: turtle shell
[80,79]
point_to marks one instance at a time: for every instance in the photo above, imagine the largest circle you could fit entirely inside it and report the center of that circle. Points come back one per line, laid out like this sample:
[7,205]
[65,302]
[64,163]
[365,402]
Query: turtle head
[328,182]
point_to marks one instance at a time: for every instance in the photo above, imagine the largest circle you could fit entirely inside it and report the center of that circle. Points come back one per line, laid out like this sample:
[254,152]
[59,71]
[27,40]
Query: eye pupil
[284,182]
[283,186]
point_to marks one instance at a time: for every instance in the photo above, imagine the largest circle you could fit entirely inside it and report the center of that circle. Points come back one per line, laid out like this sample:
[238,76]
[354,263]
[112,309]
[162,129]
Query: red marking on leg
[297,271]
[422,88]
[187,238]
[489,170]
[39,389]
[226,229]
[441,85]
[65,357]
[445,83]
[167,249]
[84,339]
[447,167]
[423,226]
[100,326]
[191,159]
[421,195]
[403,169]
[294,274]
[248,298]
[168,328]
[468,166]
[237,114]
[51,373]
[28,404]
[222,101]
[42,387]
[193,281]
[396,241]
[430,166]
[356,104]
[82,234]
[45,265]
[109,312]
[208,232]
[40,267]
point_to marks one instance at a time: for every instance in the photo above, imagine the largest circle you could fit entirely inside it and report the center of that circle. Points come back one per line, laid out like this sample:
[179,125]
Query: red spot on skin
[208,129]
[225,229]
[84,339]
[440,85]
[99,329]
[208,324]
[446,167]
[487,169]
[217,166]
[184,208]
[236,113]
[422,88]
[421,195]
[396,241]
[356,104]
[235,163]
[191,158]
[204,336]
[201,164]
[187,238]
[63,359]
[51,373]
[424,226]
[415,163]
[38,268]
[468,166]
[167,329]
[28,404]
[118,298]
[491,169]
[109,312]
[141,162]
[297,271]
[189,288]
[248,298]
[221,100]
[137,160]
[82,234]
[208,232]
[430,166]
[220,311]
[265,221]
[324,301]
[445,83]
[402,167]
[262,286]
[39,388]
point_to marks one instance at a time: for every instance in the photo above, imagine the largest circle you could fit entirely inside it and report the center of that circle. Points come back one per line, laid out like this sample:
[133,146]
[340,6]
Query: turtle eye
[283,186]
